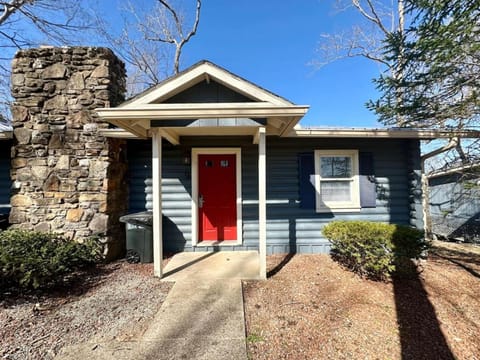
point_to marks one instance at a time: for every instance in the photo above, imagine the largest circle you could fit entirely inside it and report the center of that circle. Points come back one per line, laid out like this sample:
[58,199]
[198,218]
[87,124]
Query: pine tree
[439,58]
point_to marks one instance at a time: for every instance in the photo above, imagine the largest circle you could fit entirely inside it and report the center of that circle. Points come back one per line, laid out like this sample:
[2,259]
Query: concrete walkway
[243,265]
[201,318]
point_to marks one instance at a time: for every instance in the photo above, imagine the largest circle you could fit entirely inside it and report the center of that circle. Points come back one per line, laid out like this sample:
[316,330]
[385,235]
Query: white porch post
[262,200]
[157,202]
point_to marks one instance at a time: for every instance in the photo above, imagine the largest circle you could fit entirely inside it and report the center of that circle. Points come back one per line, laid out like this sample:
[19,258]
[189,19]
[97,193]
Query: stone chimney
[68,178]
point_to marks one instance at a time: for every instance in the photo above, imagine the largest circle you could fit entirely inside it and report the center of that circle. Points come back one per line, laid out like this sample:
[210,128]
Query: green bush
[34,260]
[374,250]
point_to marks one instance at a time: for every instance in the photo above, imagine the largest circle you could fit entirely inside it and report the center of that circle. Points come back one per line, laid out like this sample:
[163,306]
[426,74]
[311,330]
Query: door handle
[200,201]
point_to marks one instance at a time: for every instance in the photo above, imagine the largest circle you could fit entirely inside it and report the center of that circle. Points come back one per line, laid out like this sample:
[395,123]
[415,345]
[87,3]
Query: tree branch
[173,12]
[373,18]
[9,8]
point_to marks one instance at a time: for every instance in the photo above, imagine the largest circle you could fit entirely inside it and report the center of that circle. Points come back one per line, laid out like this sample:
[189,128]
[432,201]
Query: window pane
[336,167]
[335,191]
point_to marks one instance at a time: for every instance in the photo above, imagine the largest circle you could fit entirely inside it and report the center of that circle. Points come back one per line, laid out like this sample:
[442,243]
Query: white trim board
[338,206]
[201,151]
[198,73]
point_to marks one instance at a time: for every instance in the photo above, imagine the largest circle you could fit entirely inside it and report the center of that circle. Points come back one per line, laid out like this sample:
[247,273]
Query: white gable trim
[205,71]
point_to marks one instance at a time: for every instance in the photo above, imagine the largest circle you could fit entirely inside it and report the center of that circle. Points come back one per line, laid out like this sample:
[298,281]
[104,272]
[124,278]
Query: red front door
[217,197]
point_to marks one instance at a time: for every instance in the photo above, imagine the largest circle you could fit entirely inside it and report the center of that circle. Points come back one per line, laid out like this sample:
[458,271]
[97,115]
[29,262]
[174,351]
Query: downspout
[427,220]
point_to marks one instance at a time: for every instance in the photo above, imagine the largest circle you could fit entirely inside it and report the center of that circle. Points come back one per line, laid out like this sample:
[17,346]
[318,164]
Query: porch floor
[244,265]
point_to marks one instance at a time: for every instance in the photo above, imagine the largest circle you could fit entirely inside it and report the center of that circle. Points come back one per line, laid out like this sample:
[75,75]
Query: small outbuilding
[454,196]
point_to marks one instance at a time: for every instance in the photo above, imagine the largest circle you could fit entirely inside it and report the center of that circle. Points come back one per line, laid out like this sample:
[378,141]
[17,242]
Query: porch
[204,101]
[213,265]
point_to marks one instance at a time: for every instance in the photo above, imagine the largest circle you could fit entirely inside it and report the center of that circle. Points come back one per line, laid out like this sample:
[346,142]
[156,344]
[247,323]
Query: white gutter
[400,133]
[201,111]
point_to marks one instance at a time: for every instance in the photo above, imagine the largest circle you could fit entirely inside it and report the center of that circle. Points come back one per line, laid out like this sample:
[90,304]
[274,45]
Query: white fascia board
[384,133]
[201,111]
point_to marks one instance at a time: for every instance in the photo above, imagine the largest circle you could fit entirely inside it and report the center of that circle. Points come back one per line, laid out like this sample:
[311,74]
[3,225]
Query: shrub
[374,250]
[32,259]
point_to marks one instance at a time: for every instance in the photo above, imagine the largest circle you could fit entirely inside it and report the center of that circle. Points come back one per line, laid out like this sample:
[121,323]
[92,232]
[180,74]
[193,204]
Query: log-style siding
[290,228]
[5,182]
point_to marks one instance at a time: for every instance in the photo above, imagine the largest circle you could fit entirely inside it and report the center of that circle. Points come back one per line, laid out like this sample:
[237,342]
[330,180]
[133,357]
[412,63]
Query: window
[337,180]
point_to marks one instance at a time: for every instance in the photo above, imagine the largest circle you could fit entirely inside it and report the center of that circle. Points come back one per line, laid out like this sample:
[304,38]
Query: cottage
[221,163]
[226,164]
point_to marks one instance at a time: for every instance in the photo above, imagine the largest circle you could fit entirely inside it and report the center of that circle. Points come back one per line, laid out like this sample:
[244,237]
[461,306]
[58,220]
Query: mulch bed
[312,308]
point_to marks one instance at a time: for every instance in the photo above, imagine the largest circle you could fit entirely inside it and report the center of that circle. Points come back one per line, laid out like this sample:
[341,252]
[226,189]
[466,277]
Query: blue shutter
[306,171]
[368,191]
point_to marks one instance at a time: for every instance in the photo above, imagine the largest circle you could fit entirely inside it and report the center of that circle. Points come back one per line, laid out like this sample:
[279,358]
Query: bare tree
[27,23]
[177,37]
[378,20]
[53,19]
[152,40]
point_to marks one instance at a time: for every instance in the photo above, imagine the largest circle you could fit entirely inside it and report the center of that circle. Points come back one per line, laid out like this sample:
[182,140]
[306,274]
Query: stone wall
[66,176]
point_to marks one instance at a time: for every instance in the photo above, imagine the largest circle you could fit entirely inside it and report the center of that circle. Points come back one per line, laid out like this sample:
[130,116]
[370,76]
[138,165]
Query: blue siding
[415,183]
[5,182]
[290,227]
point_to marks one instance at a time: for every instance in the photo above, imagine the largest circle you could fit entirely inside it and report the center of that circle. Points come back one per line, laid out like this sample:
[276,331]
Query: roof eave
[422,134]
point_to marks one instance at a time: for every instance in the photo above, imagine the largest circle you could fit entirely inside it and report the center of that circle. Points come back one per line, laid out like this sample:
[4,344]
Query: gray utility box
[139,237]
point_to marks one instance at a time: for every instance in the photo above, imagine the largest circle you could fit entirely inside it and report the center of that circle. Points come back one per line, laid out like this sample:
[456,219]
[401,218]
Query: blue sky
[271,42]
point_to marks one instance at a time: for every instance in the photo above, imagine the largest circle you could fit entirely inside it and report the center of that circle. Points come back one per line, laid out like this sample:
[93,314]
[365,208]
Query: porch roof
[252,107]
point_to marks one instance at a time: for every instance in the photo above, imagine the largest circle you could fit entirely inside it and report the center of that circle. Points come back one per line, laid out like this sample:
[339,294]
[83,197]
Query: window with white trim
[337,180]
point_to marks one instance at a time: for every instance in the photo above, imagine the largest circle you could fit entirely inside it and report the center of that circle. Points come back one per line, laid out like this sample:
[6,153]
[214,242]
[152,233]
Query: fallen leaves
[314,309]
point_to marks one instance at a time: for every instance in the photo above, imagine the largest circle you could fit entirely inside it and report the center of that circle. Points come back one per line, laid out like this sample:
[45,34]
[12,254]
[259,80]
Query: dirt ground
[311,308]
[115,301]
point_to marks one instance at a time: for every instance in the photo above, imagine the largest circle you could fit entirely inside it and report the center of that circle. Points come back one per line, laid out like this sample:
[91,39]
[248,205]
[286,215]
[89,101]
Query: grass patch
[255,338]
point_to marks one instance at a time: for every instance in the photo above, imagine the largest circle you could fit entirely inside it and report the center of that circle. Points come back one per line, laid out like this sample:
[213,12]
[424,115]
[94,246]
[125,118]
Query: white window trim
[337,206]
[195,225]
